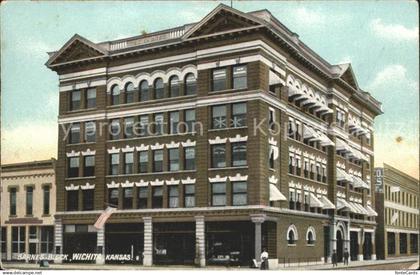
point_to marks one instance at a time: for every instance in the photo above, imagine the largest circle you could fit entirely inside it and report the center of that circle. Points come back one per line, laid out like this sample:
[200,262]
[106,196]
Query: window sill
[81,178]
[81,143]
[310,245]
[111,106]
[228,168]
[152,173]
[46,215]
[228,90]
[12,216]
[29,216]
[150,136]
[302,143]
[227,128]
[308,179]
[291,244]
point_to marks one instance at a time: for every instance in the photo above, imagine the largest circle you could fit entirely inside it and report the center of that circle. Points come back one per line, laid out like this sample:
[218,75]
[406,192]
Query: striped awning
[275,194]
[342,204]
[327,203]
[359,183]
[343,176]
[371,212]
[314,201]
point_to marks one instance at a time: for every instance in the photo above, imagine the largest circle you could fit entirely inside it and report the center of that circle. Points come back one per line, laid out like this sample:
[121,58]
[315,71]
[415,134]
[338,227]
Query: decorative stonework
[218,179]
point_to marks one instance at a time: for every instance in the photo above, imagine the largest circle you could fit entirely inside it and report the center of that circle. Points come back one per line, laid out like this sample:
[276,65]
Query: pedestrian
[346,257]
[264,260]
[334,258]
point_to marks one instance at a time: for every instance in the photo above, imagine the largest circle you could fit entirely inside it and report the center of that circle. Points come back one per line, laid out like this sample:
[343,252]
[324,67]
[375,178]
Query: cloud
[309,17]
[394,76]
[29,141]
[394,31]
[345,59]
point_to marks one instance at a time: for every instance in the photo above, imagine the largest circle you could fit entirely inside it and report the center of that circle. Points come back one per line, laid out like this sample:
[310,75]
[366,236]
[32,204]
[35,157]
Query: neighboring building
[397,204]
[27,208]
[280,157]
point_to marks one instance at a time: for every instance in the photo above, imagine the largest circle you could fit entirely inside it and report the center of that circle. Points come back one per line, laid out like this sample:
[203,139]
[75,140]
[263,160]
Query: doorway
[339,246]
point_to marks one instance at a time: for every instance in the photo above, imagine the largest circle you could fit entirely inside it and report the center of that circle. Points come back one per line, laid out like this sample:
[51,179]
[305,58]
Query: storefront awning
[314,201]
[359,183]
[343,176]
[327,203]
[275,194]
[371,212]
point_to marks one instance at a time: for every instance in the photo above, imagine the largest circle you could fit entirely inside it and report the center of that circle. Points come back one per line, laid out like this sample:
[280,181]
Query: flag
[104,217]
[394,218]
[395,189]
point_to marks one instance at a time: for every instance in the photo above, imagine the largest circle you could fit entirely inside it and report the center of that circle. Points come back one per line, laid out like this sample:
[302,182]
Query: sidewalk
[353,265]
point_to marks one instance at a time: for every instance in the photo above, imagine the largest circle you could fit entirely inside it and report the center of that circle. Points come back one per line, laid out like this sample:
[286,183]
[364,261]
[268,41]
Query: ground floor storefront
[401,243]
[228,238]
[20,240]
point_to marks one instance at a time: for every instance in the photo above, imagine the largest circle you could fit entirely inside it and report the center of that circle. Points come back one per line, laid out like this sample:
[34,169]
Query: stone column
[148,242]
[9,244]
[397,244]
[58,239]
[258,220]
[100,245]
[333,240]
[408,245]
[360,240]
[373,245]
[200,241]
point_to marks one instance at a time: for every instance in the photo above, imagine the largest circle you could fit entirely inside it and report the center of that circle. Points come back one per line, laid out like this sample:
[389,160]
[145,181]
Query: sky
[379,38]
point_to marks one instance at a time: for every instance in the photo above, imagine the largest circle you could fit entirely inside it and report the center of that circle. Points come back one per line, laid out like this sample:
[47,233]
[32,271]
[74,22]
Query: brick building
[27,208]
[397,204]
[255,141]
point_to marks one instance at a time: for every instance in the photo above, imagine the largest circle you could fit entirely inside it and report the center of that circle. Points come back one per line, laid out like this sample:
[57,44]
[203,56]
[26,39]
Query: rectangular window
[218,156]
[189,154]
[143,161]
[88,196]
[239,77]
[73,167]
[189,120]
[189,195]
[128,198]
[318,173]
[271,119]
[89,166]
[3,241]
[159,124]
[306,168]
[173,196]
[144,125]
[72,200]
[239,154]
[128,127]
[74,133]
[218,191]
[113,195]
[239,193]
[157,160]
[47,239]
[143,194]
[90,131]
[324,173]
[46,200]
[29,200]
[18,239]
[13,201]
[219,79]
[114,162]
[173,159]
[115,129]
[238,115]
[157,197]
[219,117]
[91,98]
[75,100]
[291,165]
[128,163]
[174,122]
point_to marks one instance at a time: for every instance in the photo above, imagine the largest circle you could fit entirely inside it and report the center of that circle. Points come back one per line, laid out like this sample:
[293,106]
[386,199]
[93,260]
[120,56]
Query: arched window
[310,235]
[144,90]
[158,87]
[115,94]
[129,93]
[174,86]
[292,235]
[190,84]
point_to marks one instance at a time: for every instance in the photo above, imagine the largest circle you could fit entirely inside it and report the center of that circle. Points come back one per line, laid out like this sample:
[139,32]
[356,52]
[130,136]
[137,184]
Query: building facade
[213,140]
[397,204]
[27,209]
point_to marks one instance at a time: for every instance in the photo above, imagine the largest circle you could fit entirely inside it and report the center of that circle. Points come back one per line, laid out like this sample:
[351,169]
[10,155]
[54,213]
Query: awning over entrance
[371,212]
[342,204]
[343,176]
[275,194]
[359,183]
[314,201]
[327,203]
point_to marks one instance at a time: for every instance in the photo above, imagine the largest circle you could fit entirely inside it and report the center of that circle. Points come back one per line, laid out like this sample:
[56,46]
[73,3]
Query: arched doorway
[339,246]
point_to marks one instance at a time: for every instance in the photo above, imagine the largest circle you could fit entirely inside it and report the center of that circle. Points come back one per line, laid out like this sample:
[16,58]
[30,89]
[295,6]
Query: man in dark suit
[334,258]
